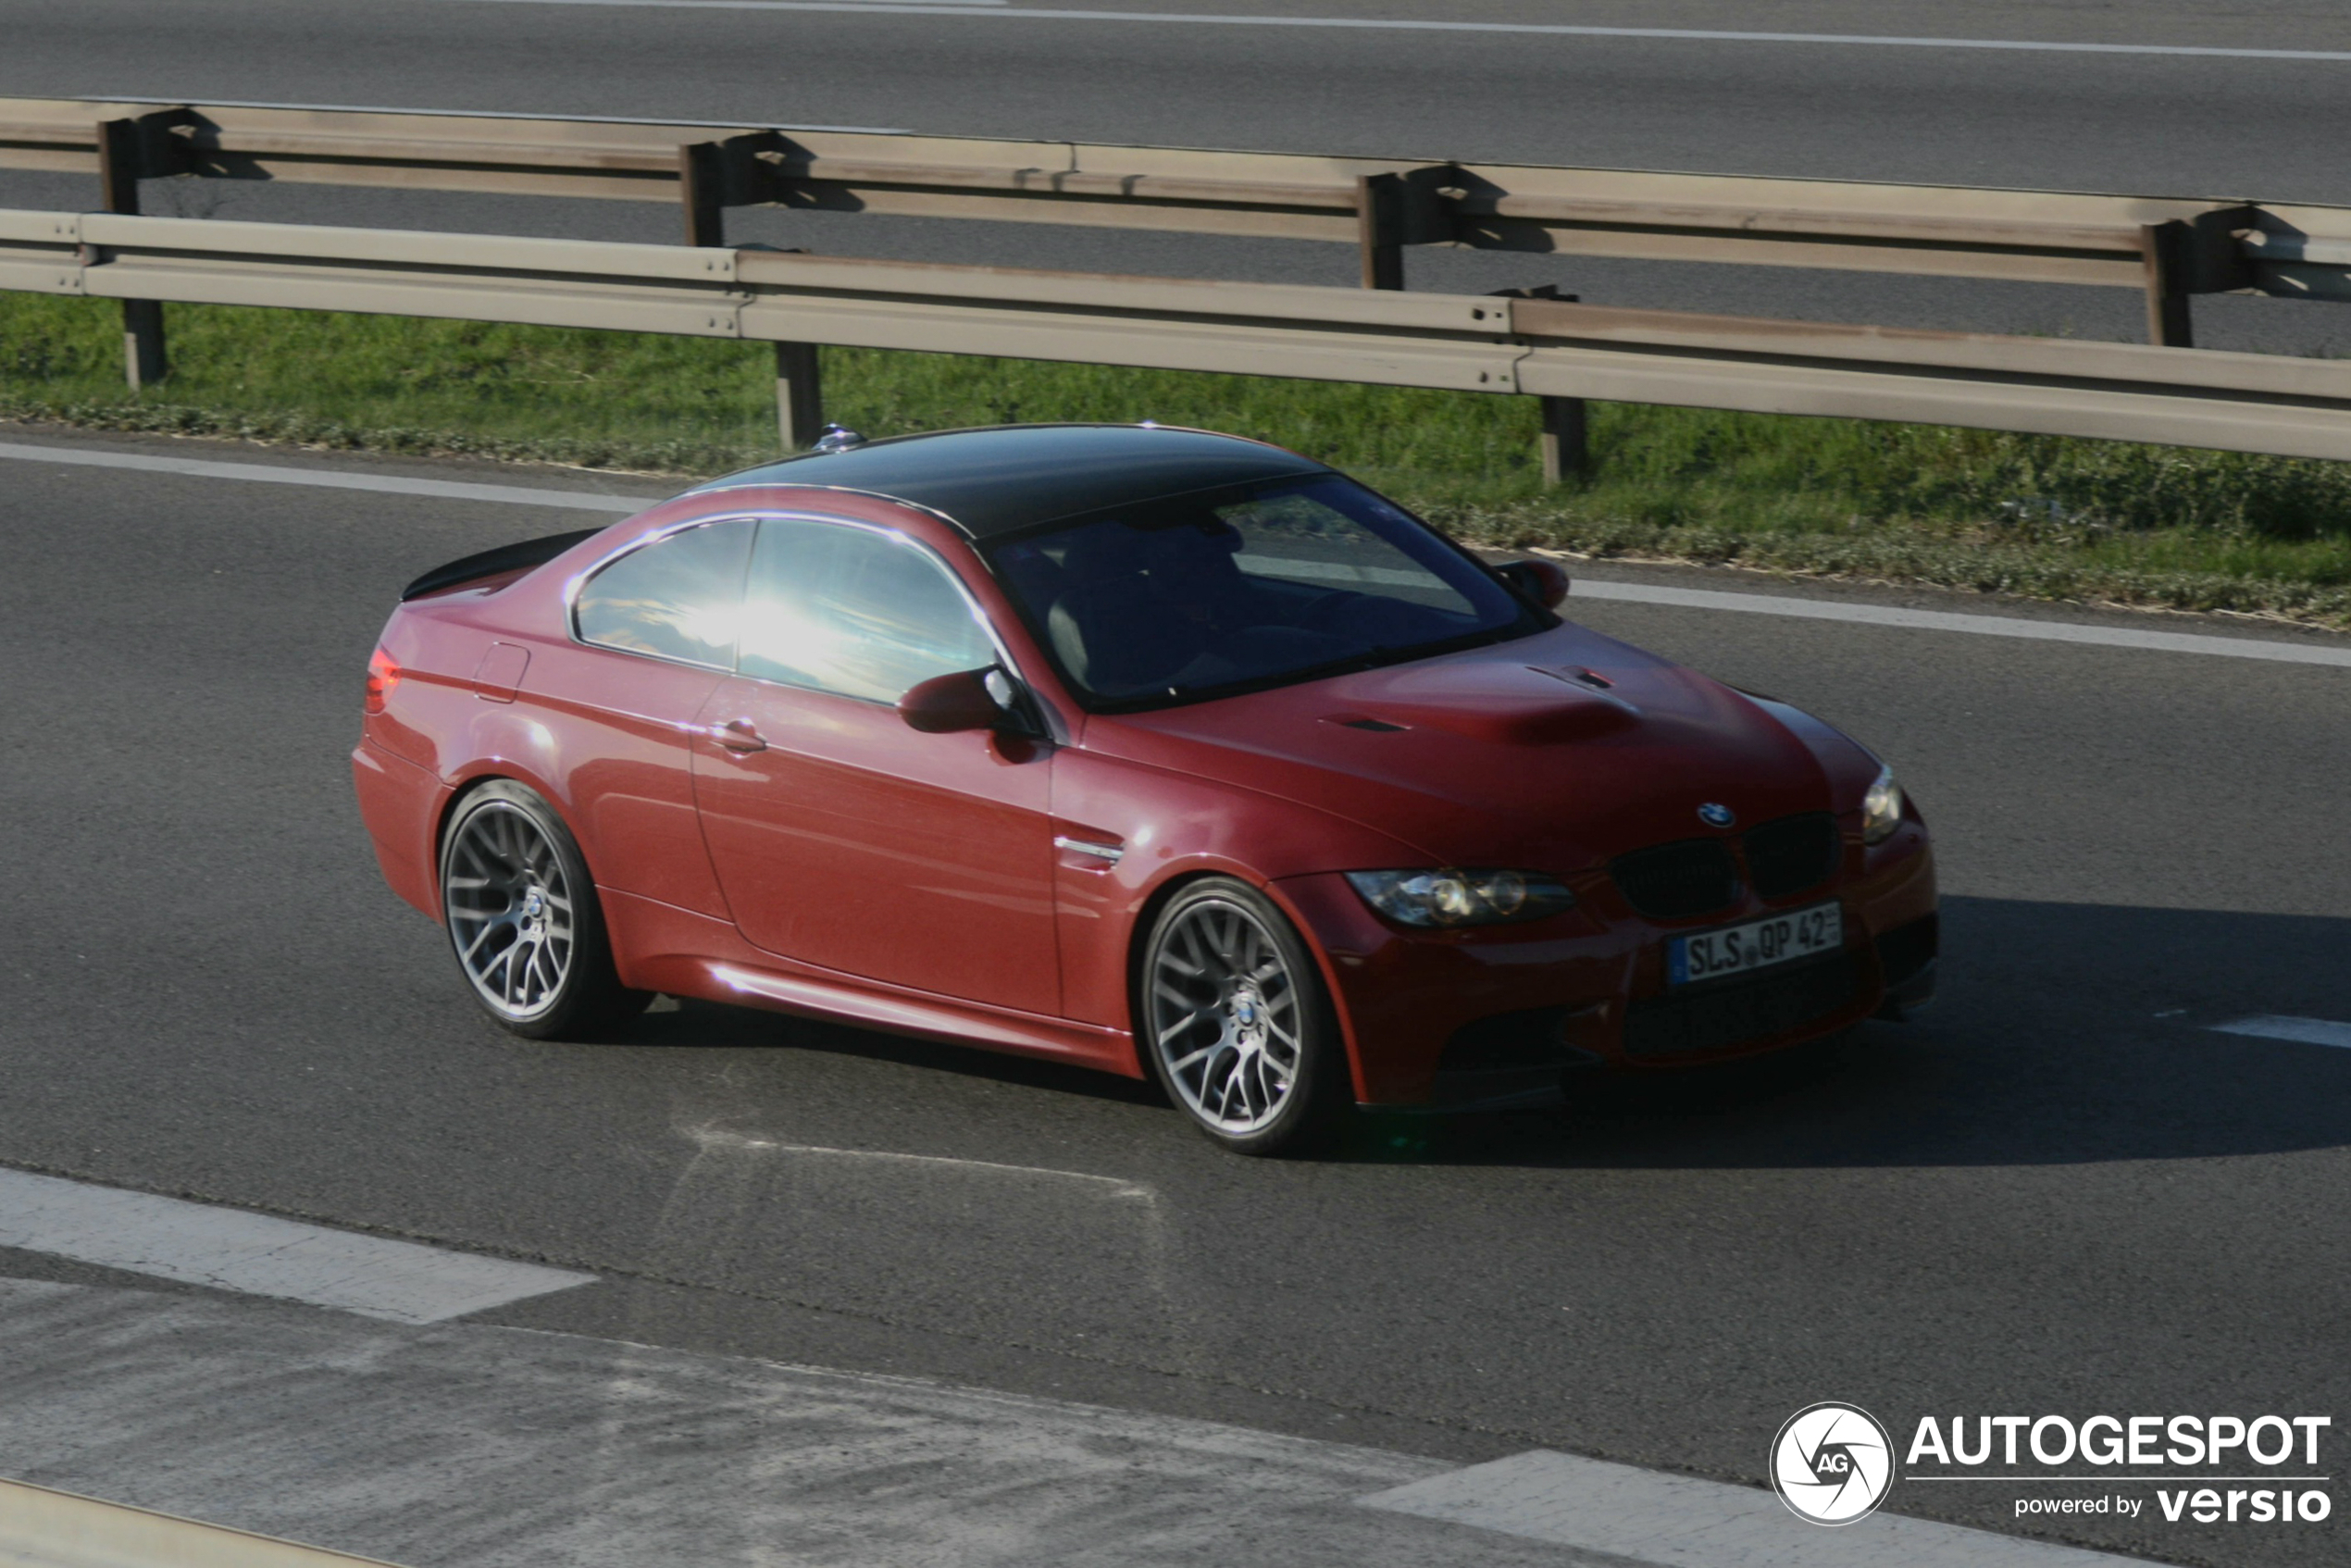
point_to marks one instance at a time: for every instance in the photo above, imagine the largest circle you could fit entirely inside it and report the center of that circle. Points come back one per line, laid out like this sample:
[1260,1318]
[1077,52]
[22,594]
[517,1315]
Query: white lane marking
[1682,1522]
[2306,1031]
[1398,24]
[1980,626]
[1587,587]
[329,478]
[260,1254]
[498,114]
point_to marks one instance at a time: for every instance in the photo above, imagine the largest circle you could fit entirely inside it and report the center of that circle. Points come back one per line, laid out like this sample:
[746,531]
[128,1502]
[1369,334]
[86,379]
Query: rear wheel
[1233,1019]
[523,921]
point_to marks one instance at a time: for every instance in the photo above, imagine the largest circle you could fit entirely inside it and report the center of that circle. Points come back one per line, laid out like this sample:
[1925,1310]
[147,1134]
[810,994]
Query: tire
[524,922]
[1271,1077]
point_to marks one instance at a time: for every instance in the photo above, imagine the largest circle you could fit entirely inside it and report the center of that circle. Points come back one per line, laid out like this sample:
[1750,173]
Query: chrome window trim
[580,579]
[883,496]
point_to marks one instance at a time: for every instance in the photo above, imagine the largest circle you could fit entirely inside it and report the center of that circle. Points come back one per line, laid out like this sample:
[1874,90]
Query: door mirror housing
[1538,582]
[948,703]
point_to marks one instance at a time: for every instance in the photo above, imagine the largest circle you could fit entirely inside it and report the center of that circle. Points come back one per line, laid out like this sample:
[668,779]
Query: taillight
[383,674]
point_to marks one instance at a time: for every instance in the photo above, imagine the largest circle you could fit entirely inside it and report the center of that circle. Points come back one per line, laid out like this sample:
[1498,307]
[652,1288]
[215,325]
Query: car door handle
[737,735]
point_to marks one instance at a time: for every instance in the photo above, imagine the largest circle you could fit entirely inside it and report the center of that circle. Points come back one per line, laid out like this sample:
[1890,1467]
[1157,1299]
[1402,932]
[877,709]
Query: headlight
[1462,898]
[1881,808]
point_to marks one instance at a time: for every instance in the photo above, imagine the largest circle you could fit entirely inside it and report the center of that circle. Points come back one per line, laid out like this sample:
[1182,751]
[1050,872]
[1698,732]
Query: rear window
[677,598]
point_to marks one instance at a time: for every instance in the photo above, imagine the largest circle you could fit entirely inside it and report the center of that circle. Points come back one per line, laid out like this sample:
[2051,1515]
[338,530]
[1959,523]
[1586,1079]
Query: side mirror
[946,704]
[1538,582]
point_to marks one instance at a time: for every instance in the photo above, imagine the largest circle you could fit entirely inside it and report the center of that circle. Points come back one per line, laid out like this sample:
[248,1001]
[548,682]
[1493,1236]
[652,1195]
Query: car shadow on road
[2064,1033]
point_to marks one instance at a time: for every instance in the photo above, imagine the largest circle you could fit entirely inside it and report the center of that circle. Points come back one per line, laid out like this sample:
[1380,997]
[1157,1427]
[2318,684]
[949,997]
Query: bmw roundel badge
[1716,815]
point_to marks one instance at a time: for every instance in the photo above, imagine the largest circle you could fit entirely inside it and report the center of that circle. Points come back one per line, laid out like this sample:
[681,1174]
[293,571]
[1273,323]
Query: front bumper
[1503,1016]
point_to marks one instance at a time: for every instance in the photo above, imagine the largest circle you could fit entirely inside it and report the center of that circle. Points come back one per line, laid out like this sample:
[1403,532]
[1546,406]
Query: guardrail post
[1379,218]
[1567,435]
[121,160]
[701,177]
[705,180]
[799,397]
[1567,440]
[2171,261]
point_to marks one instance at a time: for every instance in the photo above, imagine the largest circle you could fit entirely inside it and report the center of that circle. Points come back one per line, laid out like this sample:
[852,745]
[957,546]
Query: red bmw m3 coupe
[1165,753]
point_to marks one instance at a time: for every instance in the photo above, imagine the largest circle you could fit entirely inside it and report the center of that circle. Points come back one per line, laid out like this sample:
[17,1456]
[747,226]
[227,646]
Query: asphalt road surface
[2203,122]
[2060,1192]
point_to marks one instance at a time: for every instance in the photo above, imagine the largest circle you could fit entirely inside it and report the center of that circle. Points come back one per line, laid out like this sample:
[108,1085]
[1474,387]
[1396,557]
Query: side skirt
[659,947]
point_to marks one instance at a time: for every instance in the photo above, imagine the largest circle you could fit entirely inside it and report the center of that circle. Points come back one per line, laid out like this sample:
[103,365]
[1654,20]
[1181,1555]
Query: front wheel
[1233,1021]
[523,921]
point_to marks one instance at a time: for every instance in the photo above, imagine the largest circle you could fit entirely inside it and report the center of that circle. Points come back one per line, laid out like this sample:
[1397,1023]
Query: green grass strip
[2048,516]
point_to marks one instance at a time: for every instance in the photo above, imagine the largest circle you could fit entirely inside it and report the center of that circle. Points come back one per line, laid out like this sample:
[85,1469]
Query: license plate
[1758,944]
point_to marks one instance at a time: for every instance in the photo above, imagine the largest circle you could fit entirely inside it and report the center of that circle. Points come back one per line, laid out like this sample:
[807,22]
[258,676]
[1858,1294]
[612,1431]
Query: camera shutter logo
[1832,1464]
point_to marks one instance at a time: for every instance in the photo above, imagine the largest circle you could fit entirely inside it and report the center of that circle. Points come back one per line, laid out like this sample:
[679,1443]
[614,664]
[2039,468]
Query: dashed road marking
[260,1254]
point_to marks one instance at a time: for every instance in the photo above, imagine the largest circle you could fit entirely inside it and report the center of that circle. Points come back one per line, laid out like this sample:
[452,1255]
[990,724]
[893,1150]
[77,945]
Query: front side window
[1187,599]
[850,611]
[675,598]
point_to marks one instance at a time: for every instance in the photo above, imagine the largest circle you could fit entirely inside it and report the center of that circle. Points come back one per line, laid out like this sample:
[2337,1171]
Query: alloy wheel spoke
[1202,1054]
[479,936]
[1173,997]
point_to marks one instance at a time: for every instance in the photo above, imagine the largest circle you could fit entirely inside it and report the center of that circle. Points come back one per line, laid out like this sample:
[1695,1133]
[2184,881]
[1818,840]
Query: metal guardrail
[1382,204]
[42,1528]
[1547,348]
[2168,248]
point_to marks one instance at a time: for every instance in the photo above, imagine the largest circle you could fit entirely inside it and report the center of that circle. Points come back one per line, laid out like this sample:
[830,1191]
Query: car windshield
[1199,596]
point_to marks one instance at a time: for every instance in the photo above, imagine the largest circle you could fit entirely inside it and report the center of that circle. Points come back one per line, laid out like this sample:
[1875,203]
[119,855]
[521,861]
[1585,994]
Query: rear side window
[677,598]
[847,610]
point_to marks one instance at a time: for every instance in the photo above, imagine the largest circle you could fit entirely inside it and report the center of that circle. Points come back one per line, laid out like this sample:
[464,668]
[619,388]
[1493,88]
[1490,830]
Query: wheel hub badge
[534,901]
[1247,1013]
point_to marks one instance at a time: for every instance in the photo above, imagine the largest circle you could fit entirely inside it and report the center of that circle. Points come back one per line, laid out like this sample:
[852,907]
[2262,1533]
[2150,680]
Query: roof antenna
[838,437]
